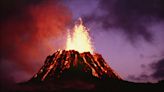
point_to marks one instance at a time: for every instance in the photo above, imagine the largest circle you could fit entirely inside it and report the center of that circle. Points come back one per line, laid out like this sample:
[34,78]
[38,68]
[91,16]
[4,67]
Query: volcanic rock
[74,65]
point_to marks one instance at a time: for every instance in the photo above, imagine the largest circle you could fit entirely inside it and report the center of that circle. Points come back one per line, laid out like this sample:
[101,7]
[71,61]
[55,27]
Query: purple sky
[128,33]
[129,59]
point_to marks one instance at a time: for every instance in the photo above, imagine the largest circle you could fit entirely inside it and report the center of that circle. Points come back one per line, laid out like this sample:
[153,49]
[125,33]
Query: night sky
[128,33]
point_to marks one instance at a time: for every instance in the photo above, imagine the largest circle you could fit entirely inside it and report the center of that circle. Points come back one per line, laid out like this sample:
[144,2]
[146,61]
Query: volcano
[76,62]
[72,64]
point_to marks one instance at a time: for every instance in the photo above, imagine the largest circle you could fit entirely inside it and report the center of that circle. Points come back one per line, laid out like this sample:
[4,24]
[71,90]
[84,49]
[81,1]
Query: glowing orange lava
[80,39]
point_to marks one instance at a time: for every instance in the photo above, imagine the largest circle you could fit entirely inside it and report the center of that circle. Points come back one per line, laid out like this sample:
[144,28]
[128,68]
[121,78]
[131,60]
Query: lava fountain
[80,40]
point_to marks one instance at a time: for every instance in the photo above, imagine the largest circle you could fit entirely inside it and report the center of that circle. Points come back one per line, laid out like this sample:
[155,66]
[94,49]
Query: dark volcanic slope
[72,64]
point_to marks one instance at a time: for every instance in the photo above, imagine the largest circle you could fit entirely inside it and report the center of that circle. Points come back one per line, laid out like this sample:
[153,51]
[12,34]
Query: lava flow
[77,60]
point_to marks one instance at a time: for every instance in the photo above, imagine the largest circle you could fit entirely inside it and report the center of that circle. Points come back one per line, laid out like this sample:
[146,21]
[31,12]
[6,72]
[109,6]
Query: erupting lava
[80,40]
[76,61]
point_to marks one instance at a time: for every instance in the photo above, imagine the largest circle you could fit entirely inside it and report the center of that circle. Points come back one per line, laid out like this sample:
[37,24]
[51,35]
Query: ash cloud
[130,15]
[28,30]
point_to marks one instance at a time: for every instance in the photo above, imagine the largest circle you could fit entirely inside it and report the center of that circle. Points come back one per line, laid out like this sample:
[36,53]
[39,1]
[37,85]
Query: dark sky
[128,33]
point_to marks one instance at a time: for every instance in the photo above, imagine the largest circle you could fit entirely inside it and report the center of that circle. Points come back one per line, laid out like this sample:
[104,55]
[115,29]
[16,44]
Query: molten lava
[72,64]
[80,40]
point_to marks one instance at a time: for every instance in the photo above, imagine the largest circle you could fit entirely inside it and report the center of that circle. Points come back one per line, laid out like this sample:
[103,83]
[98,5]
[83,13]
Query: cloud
[140,78]
[156,74]
[158,69]
[29,29]
[133,16]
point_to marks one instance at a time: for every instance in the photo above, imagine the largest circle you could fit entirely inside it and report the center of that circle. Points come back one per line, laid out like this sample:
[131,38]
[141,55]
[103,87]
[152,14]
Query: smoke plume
[29,30]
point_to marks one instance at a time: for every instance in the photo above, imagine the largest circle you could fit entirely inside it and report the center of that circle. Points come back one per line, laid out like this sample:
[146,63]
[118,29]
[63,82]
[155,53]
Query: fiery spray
[80,40]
